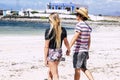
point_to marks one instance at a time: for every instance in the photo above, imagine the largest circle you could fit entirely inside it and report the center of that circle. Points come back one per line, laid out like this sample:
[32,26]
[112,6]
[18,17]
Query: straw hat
[83,11]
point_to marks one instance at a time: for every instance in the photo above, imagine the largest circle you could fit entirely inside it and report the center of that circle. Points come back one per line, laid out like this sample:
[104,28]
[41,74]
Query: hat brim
[82,13]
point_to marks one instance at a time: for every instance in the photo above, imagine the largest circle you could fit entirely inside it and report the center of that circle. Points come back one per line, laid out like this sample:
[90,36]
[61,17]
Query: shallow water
[38,28]
[26,28]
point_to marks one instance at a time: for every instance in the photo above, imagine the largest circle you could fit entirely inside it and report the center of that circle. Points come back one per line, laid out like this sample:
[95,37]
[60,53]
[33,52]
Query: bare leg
[77,74]
[88,74]
[54,69]
[50,77]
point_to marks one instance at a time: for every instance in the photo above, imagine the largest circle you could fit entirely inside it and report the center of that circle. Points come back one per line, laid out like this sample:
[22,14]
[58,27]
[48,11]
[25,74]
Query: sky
[96,7]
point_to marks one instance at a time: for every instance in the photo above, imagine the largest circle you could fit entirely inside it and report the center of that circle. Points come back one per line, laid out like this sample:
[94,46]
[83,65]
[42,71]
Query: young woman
[81,41]
[54,36]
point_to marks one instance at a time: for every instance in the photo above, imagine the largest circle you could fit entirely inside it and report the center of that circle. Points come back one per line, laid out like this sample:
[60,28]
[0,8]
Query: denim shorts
[80,60]
[54,54]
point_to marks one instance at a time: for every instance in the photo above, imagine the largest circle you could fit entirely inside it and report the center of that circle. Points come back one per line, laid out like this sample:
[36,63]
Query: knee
[77,71]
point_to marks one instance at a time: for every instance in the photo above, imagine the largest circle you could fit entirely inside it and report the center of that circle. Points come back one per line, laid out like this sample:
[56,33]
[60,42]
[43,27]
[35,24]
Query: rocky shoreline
[66,21]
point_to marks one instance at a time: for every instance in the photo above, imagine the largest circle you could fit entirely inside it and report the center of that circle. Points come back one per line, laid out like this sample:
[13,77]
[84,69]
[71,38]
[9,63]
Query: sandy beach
[21,57]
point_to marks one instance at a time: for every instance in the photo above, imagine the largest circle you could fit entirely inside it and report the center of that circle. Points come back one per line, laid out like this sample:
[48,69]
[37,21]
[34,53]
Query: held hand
[68,52]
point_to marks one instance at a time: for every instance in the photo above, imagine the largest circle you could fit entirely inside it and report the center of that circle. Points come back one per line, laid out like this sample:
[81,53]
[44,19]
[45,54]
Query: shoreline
[64,21]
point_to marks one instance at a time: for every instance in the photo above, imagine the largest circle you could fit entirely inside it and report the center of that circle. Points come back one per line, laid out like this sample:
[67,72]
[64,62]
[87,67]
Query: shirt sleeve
[47,37]
[78,28]
[64,32]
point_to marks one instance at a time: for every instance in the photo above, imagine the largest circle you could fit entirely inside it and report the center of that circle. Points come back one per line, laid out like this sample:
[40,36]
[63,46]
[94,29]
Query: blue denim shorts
[54,54]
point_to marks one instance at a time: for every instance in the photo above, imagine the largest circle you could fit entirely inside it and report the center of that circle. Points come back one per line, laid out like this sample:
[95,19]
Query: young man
[81,41]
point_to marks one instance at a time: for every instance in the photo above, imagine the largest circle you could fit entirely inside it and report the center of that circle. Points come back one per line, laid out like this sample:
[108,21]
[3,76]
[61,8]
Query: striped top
[81,44]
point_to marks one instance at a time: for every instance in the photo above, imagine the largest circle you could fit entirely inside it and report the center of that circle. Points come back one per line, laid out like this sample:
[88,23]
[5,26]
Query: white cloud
[113,0]
[64,1]
[88,1]
[39,2]
[57,1]
[8,1]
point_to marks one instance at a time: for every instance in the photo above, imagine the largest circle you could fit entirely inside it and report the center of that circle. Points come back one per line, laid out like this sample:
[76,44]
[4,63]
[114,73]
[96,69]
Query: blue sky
[104,7]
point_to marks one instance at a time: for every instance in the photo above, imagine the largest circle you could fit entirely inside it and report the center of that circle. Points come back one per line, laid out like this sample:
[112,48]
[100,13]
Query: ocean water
[27,28]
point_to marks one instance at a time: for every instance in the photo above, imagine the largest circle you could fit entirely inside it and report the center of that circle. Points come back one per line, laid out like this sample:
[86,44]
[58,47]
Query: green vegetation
[107,21]
[14,13]
[33,12]
[90,19]
[72,14]
[43,17]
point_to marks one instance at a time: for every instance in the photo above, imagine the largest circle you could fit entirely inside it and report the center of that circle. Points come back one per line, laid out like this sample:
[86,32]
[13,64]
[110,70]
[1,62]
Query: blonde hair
[56,26]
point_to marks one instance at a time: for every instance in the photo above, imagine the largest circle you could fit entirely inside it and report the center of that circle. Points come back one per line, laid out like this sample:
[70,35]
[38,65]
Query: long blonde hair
[56,27]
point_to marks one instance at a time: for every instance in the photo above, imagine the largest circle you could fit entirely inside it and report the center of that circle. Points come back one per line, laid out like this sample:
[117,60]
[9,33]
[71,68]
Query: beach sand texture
[21,57]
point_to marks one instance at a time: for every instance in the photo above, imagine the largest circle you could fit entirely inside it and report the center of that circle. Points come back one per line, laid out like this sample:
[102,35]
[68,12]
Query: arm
[89,42]
[67,46]
[46,48]
[76,35]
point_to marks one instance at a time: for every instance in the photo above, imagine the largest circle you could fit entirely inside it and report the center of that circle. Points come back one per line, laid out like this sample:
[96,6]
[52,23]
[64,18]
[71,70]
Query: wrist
[68,50]
[45,58]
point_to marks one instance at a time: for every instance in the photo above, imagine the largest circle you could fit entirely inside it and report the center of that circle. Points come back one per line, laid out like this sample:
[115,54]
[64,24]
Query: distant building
[6,12]
[21,13]
[1,12]
[10,12]
[69,7]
